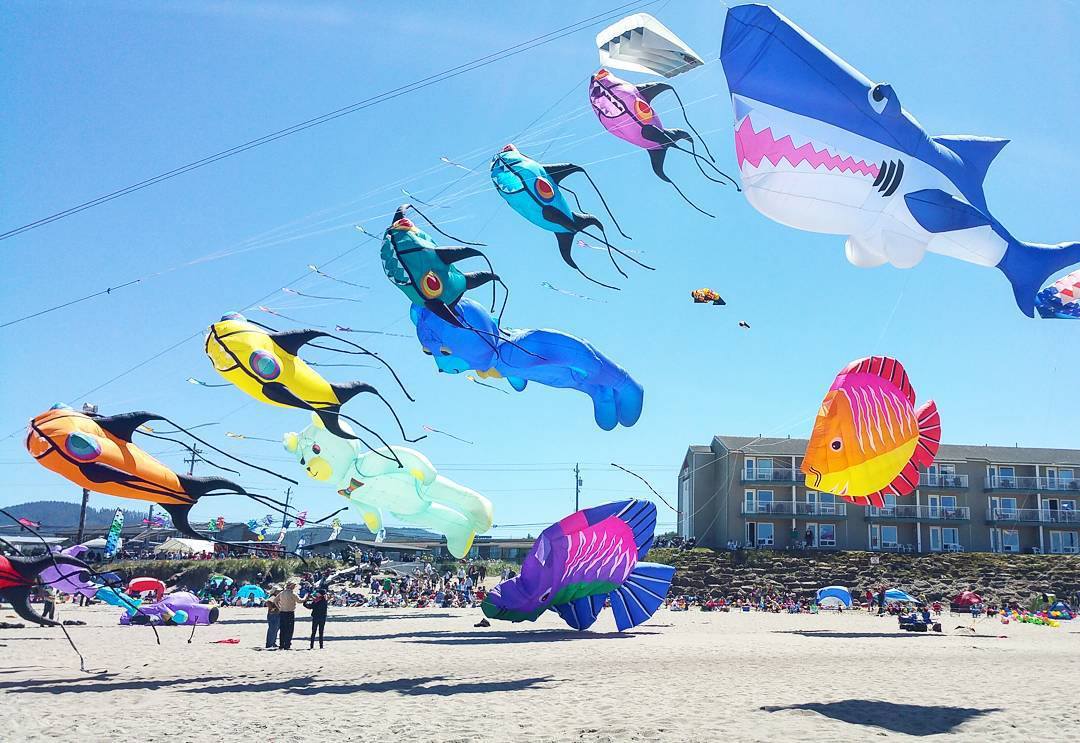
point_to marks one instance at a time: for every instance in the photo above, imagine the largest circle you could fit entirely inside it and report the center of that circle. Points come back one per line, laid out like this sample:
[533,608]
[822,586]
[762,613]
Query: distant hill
[60,514]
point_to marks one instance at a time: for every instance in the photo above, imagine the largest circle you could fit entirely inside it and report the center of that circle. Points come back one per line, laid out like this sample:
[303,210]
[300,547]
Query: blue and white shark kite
[822,148]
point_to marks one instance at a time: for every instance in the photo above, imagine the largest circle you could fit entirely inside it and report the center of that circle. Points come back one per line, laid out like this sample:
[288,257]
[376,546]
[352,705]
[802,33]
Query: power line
[414,86]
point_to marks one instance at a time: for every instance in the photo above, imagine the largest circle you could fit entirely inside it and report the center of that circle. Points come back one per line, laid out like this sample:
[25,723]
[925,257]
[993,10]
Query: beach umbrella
[833,597]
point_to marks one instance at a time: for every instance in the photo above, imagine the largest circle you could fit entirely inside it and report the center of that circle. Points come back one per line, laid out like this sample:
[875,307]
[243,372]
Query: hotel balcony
[943,481]
[790,510]
[1032,516]
[1059,484]
[908,512]
[1003,482]
[771,475]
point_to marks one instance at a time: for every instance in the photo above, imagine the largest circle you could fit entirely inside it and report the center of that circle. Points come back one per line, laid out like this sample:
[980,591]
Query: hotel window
[883,537]
[935,539]
[748,502]
[827,502]
[1002,476]
[764,501]
[1004,540]
[1003,508]
[1063,542]
[764,469]
[950,537]
[765,534]
[827,535]
[749,465]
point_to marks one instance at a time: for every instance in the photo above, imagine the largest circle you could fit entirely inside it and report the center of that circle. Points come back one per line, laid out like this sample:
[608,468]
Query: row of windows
[885,537]
[759,500]
[762,468]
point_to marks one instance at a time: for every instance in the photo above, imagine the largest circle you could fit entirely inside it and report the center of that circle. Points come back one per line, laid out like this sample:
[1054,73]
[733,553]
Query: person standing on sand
[49,610]
[881,601]
[286,602]
[317,605]
[272,620]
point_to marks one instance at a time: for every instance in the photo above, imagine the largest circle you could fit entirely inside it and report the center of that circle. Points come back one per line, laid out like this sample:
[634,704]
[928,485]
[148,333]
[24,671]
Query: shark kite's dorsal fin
[291,341]
[123,426]
[976,152]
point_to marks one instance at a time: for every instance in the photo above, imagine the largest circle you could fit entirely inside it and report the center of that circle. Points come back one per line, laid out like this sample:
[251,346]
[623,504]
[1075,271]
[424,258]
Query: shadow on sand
[336,619]
[101,682]
[853,635]
[489,637]
[419,686]
[911,719]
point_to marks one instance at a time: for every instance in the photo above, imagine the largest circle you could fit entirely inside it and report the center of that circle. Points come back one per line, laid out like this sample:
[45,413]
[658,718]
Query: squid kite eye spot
[837,444]
[83,447]
[644,110]
[265,365]
[544,189]
[431,285]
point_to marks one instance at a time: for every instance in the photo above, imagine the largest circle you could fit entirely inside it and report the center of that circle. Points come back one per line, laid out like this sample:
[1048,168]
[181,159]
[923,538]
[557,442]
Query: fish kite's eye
[545,596]
[446,351]
[265,365]
[431,285]
[82,446]
[836,444]
[879,97]
[544,190]
[316,448]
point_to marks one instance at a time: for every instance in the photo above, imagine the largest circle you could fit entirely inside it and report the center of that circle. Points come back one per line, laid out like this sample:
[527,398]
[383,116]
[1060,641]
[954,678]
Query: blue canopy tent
[251,590]
[900,597]
[831,597]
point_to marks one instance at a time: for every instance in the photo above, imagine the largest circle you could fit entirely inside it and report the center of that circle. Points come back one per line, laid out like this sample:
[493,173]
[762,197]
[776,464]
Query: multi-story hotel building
[749,491]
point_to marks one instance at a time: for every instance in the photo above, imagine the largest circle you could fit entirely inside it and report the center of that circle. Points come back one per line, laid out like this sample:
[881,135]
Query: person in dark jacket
[317,605]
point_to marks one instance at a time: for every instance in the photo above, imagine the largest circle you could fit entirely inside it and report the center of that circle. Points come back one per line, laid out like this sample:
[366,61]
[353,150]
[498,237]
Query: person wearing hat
[317,605]
[286,602]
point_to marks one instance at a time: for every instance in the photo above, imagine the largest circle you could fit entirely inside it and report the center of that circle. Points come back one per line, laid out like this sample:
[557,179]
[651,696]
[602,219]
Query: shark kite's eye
[82,446]
[879,97]
[836,444]
[265,365]
[431,285]
[544,190]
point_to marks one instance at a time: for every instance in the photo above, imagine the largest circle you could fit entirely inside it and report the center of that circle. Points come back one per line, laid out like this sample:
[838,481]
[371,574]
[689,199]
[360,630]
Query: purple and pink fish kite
[578,564]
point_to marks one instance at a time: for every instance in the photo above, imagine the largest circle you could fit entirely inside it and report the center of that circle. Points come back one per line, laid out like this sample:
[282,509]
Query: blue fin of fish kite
[641,595]
[581,613]
[640,516]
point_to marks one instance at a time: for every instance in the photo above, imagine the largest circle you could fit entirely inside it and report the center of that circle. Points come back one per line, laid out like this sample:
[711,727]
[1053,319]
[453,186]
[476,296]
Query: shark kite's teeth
[753,147]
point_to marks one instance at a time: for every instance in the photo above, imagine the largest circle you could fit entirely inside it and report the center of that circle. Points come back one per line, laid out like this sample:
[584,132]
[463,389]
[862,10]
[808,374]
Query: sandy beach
[429,675]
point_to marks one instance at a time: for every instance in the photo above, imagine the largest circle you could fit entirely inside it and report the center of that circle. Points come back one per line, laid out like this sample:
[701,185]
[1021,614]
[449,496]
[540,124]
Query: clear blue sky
[98,95]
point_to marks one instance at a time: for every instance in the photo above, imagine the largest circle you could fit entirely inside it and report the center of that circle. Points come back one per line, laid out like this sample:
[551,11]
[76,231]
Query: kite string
[648,485]
[226,454]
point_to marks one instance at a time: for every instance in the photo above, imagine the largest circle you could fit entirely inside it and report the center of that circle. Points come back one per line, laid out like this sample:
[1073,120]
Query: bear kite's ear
[291,441]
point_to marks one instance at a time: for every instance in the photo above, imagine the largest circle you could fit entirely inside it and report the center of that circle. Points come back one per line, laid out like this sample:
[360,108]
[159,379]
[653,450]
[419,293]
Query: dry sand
[428,675]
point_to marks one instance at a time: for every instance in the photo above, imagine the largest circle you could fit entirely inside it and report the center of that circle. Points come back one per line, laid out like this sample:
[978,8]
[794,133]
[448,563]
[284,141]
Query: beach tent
[251,590]
[898,596]
[138,585]
[186,546]
[220,580]
[1061,610]
[965,599]
[832,597]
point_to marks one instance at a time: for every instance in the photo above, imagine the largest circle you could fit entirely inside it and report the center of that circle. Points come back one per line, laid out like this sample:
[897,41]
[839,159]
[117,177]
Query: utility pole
[577,487]
[192,459]
[90,409]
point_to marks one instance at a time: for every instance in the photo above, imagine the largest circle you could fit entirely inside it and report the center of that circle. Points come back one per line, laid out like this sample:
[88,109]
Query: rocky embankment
[704,573]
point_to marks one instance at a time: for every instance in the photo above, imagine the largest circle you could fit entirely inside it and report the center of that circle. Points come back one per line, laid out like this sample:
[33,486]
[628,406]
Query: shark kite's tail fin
[1027,266]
